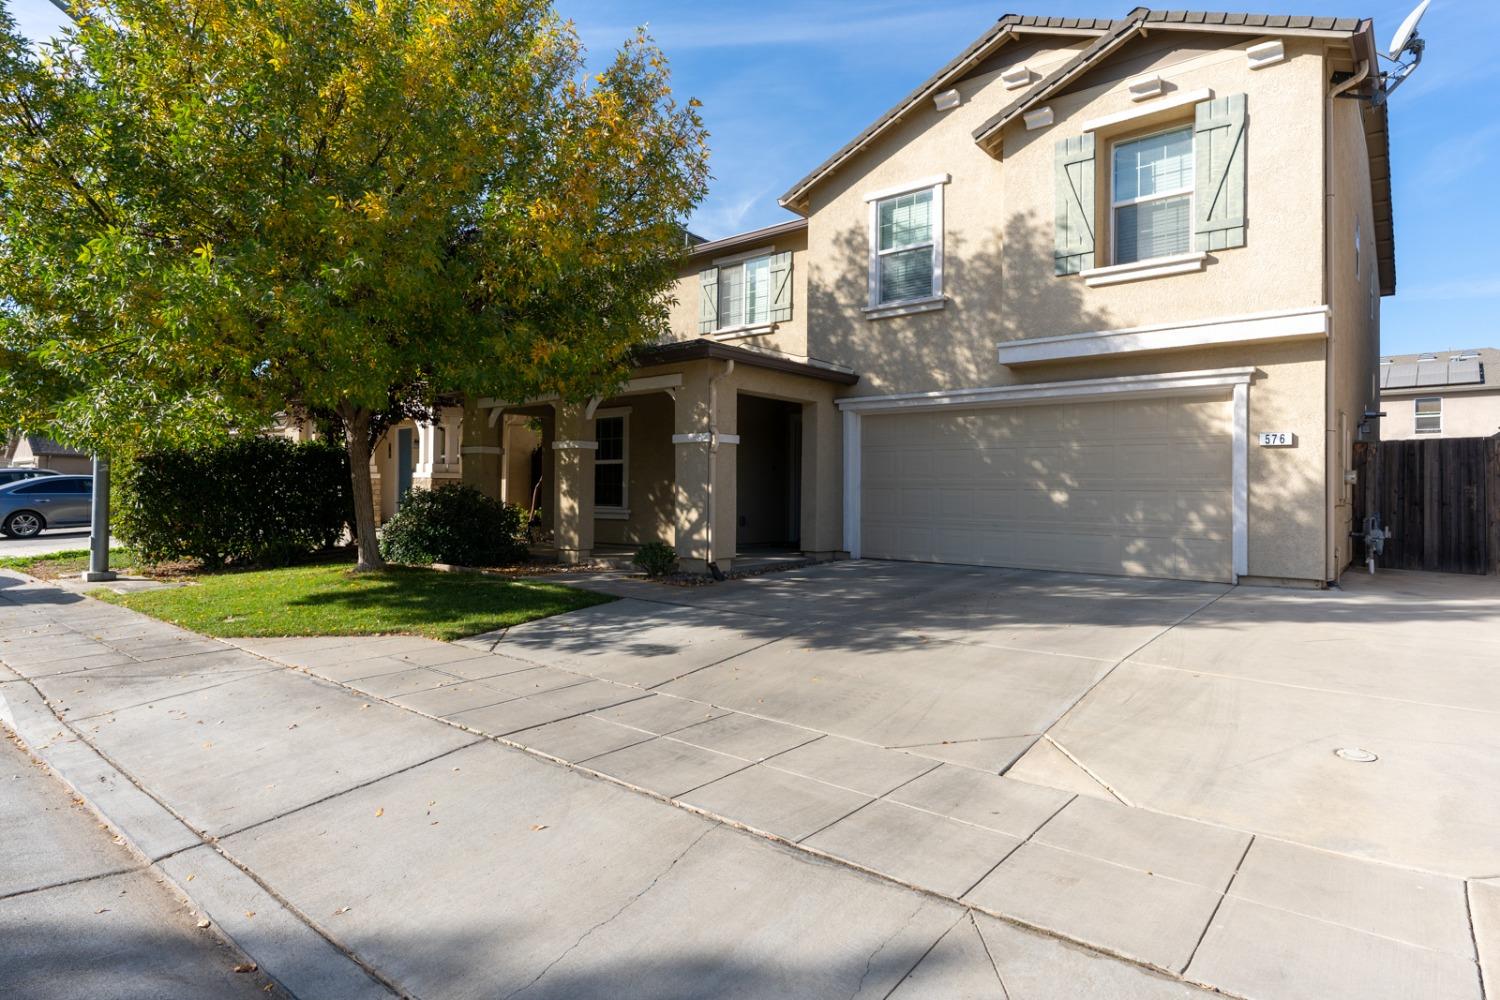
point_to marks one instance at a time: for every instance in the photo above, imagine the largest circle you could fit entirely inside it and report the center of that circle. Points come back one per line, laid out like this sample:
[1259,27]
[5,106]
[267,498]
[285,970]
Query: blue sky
[786,82]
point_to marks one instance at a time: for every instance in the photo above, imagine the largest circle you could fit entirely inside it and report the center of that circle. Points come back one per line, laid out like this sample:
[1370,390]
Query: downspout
[1354,81]
[1330,430]
[713,459]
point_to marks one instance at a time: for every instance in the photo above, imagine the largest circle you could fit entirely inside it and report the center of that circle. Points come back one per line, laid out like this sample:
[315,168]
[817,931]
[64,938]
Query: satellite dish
[1404,43]
[1408,30]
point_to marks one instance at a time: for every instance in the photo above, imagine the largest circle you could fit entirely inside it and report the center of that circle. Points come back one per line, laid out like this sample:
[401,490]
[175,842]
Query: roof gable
[1003,31]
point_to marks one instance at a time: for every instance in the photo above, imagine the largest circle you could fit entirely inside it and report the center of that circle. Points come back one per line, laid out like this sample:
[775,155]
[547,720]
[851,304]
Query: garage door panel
[1140,488]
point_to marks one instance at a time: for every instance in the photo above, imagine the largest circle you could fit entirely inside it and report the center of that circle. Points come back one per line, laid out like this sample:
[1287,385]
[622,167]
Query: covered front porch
[722,452]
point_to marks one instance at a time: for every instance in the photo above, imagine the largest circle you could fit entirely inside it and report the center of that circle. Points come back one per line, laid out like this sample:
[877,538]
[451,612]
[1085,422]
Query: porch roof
[677,352]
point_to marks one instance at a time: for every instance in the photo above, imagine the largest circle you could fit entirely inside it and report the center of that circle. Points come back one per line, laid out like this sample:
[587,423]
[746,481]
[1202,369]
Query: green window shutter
[708,300]
[781,287]
[1074,162]
[1219,154]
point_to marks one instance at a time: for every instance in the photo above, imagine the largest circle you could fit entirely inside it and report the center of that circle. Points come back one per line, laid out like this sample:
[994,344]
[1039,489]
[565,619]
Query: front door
[404,465]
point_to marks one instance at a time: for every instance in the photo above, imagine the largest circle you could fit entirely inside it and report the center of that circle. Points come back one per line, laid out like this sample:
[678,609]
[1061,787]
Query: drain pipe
[713,459]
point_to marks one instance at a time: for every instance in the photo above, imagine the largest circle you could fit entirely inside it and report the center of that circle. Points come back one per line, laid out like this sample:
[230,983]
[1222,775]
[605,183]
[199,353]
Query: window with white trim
[1428,418]
[906,248]
[745,292]
[611,462]
[1152,196]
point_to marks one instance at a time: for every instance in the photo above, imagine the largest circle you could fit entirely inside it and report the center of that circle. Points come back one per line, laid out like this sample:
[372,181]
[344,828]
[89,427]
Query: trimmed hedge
[256,500]
[457,525]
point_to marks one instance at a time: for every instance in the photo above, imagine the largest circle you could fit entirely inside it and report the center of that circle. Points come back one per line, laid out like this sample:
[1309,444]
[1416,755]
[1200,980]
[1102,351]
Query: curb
[299,959]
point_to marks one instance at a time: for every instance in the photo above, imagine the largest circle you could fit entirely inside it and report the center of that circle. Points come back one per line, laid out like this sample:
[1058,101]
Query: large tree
[213,209]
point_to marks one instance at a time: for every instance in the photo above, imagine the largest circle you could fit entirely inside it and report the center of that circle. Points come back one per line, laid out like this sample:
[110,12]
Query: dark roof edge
[746,238]
[1118,33]
[1144,18]
[680,351]
[1080,26]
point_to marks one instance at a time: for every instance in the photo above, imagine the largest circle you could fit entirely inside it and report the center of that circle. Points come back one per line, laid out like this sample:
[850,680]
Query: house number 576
[1277,439]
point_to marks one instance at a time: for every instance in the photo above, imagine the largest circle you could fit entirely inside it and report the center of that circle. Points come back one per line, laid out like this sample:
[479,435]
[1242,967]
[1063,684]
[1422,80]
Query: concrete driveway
[1143,768]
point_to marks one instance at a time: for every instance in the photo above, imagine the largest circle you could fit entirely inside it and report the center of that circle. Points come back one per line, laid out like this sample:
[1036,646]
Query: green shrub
[258,500]
[656,558]
[455,524]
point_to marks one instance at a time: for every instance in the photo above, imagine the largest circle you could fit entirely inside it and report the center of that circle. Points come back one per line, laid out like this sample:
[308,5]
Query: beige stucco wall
[788,337]
[1354,344]
[998,228]
[1465,414]
[650,471]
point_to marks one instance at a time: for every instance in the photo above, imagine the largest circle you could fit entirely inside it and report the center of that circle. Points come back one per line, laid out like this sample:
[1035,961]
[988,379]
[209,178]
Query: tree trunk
[357,444]
[8,448]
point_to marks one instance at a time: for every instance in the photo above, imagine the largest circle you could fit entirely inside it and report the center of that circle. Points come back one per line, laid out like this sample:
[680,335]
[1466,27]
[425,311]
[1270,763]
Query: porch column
[705,441]
[481,452]
[573,489]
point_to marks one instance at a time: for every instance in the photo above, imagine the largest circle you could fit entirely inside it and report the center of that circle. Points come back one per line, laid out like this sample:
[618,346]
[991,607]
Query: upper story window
[1429,415]
[906,248]
[744,295]
[1169,199]
[745,292]
[1153,196]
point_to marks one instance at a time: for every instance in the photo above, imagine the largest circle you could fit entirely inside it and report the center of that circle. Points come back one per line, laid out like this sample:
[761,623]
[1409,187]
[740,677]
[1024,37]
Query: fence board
[1440,498]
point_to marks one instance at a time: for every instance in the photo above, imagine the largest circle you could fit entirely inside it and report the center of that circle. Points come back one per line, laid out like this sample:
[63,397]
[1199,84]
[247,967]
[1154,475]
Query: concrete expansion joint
[663,873]
[130,837]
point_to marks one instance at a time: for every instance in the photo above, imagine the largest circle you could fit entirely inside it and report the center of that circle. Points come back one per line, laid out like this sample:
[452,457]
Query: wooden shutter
[708,300]
[1074,246]
[1219,187]
[781,287]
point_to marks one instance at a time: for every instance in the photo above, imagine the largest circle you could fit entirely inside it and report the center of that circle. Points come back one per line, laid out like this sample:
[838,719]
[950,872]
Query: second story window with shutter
[745,292]
[1153,196]
[753,291]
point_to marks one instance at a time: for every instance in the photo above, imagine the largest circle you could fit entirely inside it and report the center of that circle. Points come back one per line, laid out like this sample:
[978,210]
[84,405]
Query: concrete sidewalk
[358,848]
[687,849]
[82,916]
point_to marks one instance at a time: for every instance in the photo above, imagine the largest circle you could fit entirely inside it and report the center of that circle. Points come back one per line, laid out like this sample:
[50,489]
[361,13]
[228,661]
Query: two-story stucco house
[1447,394]
[1039,314]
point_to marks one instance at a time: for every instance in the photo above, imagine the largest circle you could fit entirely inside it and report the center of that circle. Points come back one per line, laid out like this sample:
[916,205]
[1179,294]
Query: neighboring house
[1444,394]
[40,452]
[1040,314]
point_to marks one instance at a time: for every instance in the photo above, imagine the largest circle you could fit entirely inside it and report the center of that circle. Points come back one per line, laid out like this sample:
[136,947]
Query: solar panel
[1402,375]
[1465,372]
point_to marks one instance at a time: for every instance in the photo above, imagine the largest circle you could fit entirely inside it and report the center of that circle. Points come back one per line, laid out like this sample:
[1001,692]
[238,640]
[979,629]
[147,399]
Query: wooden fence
[1440,498]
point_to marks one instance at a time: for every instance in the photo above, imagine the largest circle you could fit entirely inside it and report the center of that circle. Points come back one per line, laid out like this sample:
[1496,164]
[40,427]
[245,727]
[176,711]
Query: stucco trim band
[1155,107]
[704,437]
[1235,382]
[1284,324]
[1138,270]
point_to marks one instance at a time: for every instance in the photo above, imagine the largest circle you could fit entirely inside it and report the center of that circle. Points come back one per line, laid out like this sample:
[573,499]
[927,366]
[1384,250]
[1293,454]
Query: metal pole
[98,571]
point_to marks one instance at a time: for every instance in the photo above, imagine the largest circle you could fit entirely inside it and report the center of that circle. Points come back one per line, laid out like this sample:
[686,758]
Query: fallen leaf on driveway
[203,923]
[246,967]
[341,909]
[249,913]
[538,826]
[380,811]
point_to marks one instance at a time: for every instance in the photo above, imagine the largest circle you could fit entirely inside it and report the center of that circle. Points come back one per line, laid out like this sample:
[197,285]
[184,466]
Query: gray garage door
[1140,488]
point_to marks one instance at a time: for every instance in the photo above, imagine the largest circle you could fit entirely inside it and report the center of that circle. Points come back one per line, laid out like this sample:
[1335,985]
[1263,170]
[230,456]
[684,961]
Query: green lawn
[330,600]
[52,565]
